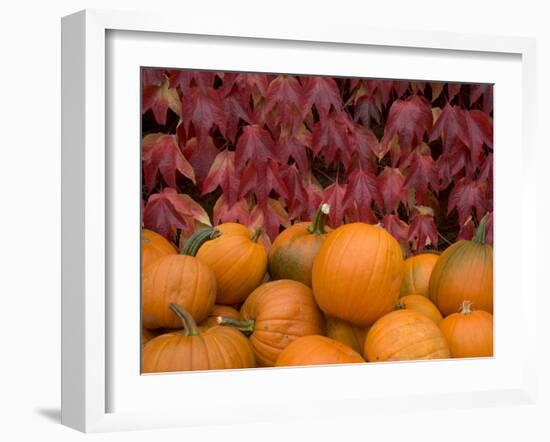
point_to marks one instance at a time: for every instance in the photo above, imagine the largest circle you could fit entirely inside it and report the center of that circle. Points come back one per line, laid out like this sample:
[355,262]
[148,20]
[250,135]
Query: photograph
[303,220]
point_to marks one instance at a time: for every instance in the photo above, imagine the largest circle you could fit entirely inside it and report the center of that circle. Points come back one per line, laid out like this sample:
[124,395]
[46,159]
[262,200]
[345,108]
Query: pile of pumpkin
[319,296]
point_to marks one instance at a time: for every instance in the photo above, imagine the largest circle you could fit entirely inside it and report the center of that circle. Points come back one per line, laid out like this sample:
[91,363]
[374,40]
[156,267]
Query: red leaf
[295,146]
[186,80]
[270,216]
[159,99]
[152,77]
[237,108]
[323,93]
[334,139]
[285,96]
[409,119]
[391,184]
[204,108]
[383,87]
[223,212]
[397,227]
[451,123]
[297,195]
[201,156]
[255,145]
[366,110]
[422,231]
[422,174]
[465,197]
[454,89]
[450,164]
[262,181]
[334,195]
[478,130]
[160,153]
[485,90]
[365,144]
[362,190]
[223,174]
[168,210]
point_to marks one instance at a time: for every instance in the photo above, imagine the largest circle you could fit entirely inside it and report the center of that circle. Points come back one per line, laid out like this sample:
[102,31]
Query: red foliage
[266,150]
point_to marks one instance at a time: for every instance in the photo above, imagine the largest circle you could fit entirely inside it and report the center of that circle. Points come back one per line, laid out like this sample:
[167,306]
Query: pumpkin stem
[189,325]
[256,235]
[466,308]
[479,236]
[247,327]
[195,241]
[399,306]
[318,224]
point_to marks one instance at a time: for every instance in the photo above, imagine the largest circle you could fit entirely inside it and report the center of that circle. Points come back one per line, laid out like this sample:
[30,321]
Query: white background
[30,217]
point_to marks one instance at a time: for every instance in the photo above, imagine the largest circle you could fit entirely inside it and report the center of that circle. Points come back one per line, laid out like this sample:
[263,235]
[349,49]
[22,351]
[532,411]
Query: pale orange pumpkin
[274,315]
[357,273]
[420,304]
[346,333]
[181,279]
[469,332]
[238,261]
[405,335]
[464,272]
[214,349]
[416,277]
[317,350]
[292,253]
[154,246]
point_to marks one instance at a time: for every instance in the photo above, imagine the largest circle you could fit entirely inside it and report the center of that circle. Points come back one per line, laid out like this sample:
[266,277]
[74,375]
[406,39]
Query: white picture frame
[90,172]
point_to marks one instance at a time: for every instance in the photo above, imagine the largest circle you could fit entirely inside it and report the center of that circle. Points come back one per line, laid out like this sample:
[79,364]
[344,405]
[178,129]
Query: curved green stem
[479,236]
[247,327]
[466,308]
[195,241]
[257,233]
[318,224]
[189,325]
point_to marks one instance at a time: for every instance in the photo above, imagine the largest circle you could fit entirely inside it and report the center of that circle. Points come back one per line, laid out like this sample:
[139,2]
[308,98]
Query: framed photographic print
[255,213]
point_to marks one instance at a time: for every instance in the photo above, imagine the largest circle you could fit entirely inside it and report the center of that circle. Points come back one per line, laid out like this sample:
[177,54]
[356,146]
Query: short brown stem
[318,224]
[189,325]
[247,326]
[257,233]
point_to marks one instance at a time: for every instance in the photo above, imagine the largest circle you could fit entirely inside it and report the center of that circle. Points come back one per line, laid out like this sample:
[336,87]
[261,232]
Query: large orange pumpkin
[357,273]
[275,314]
[215,349]
[405,335]
[422,305]
[464,272]
[181,279]
[146,336]
[346,333]
[293,251]
[469,332]
[237,259]
[416,278]
[317,350]
[154,246]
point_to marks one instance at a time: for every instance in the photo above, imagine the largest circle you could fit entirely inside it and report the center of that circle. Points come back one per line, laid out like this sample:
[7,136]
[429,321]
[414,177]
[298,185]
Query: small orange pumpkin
[237,259]
[405,335]
[215,349]
[420,304]
[274,315]
[464,272]
[181,279]
[469,332]
[293,251]
[357,273]
[346,333]
[416,278]
[317,350]
[154,246]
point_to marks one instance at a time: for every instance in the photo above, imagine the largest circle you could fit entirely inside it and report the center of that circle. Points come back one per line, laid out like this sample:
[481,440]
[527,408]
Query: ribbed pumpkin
[274,315]
[420,304]
[346,333]
[293,251]
[469,332]
[405,335]
[464,272]
[357,273]
[219,310]
[154,246]
[237,259]
[317,350]
[215,349]
[181,279]
[416,278]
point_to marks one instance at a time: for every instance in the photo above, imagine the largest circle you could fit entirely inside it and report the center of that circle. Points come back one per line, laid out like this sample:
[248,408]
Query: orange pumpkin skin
[317,350]
[464,272]
[292,253]
[146,336]
[469,333]
[422,305]
[357,273]
[238,261]
[180,279]
[154,246]
[346,333]
[405,335]
[282,311]
[217,348]
[219,310]
[416,278]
